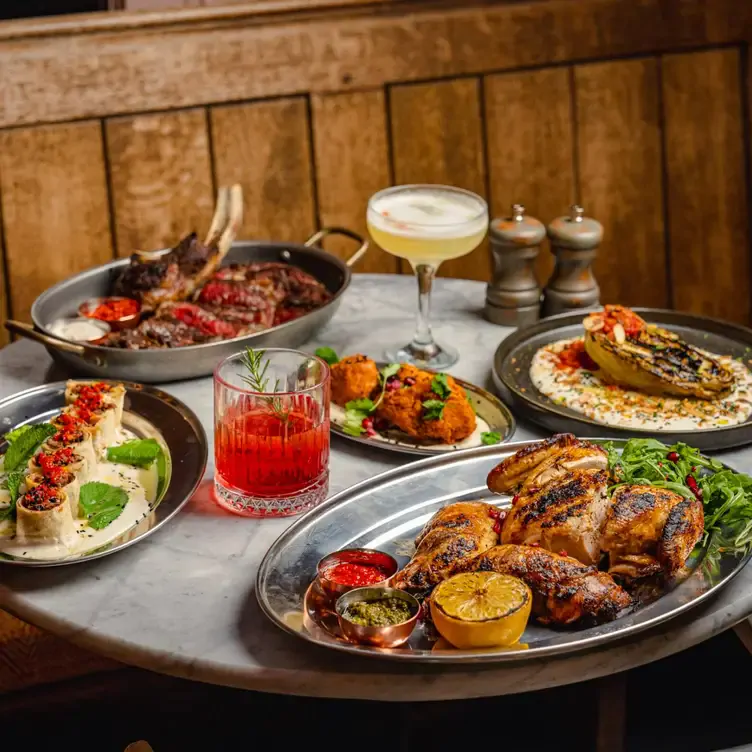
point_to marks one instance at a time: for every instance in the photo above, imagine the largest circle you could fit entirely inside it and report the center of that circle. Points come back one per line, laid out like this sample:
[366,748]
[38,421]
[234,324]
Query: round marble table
[182,601]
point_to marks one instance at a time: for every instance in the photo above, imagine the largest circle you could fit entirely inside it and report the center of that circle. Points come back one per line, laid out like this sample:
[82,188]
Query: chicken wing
[454,534]
[567,515]
[565,591]
[542,461]
[650,531]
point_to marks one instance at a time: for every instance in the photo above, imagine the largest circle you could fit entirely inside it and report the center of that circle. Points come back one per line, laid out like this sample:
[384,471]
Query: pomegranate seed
[694,469]
[502,514]
[367,423]
[535,545]
[515,498]
[672,456]
[497,527]
[660,464]
[494,512]
[409,381]
[393,386]
[563,553]
[370,432]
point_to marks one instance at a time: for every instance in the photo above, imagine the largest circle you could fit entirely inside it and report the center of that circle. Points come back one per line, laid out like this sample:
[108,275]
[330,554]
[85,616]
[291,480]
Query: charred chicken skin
[544,460]
[455,534]
[565,591]
[565,515]
[650,531]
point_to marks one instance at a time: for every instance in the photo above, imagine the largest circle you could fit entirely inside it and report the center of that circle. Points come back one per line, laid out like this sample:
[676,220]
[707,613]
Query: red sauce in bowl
[356,575]
[355,567]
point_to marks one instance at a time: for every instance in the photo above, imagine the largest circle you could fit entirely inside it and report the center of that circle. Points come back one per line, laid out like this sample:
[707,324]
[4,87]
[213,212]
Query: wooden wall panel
[54,206]
[619,146]
[707,192]
[264,146]
[160,176]
[352,163]
[437,138]
[530,149]
[4,311]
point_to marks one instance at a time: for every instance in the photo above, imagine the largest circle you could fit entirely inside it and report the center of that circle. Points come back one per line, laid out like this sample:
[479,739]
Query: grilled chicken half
[633,353]
[650,531]
[456,532]
[565,591]
[542,461]
[566,515]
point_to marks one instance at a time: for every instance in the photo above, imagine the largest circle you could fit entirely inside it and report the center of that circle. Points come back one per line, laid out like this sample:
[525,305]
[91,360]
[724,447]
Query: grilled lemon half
[481,609]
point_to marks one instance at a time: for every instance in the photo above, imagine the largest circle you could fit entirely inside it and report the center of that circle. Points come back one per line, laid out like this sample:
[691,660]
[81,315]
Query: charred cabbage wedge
[633,353]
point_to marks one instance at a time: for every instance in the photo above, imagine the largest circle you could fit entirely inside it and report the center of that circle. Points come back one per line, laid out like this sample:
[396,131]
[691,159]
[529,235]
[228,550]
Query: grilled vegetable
[636,354]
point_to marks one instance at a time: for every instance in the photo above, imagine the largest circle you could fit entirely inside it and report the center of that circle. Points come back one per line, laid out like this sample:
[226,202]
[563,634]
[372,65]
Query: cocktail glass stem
[423,345]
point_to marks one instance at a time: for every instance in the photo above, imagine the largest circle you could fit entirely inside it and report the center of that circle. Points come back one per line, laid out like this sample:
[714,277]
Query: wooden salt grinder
[513,296]
[574,243]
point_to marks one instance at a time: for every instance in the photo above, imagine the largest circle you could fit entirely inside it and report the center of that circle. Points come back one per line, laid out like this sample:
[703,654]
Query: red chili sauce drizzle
[41,498]
[356,575]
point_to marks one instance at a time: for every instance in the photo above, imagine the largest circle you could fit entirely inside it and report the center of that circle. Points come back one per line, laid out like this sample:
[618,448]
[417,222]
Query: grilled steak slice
[155,333]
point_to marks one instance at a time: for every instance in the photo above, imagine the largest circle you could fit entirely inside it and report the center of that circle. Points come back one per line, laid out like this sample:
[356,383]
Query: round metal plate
[388,511]
[486,405]
[511,374]
[148,412]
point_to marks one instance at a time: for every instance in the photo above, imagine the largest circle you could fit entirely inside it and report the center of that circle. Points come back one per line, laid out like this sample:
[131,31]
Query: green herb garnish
[356,411]
[327,355]
[433,409]
[138,452]
[726,495]
[440,387]
[102,503]
[23,443]
[490,437]
[256,364]
[12,482]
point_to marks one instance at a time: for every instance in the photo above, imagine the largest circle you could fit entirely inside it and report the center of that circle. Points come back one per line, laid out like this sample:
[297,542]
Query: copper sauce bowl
[390,636]
[385,562]
[129,321]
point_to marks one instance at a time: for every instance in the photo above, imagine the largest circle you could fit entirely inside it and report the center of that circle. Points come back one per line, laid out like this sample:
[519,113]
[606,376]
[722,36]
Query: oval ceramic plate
[149,413]
[388,511]
[488,408]
[511,374]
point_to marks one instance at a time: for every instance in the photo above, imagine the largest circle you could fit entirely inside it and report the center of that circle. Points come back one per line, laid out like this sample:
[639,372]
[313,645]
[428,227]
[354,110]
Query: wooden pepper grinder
[513,296]
[574,242]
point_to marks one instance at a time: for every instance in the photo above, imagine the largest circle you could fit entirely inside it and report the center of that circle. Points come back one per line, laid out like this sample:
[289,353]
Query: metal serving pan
[511,375]
[175,364]
[149,413]
[388,511]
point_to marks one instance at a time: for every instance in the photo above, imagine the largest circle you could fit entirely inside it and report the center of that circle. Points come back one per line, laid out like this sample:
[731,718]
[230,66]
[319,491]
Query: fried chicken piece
[650,531]
[354,377]
[454,534]
[403,407]
[565,591]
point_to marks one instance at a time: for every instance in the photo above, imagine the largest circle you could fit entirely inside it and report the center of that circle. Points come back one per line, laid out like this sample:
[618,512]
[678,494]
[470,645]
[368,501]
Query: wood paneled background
[116,130]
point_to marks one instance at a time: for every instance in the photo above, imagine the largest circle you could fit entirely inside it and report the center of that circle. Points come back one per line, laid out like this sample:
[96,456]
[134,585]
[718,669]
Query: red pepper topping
[112,309]
[573,356]
[41,498]
[672,456]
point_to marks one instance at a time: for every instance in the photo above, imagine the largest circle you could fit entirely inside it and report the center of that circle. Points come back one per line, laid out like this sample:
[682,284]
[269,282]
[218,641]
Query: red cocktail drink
[271,448]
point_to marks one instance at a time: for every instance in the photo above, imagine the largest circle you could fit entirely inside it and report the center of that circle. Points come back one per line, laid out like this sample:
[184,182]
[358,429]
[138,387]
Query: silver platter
[511,375]
[486,405]
[386,513]
[148,412]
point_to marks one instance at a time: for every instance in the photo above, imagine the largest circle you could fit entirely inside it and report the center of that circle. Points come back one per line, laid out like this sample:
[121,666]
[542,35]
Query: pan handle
[28,331]
[341,231]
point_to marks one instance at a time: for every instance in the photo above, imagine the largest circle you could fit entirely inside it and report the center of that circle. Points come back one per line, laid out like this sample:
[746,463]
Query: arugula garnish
[23,443]
[433,409]
[356,411]
[102,503]
[440,386]
[726,495]
[138,452]
[327,355]
[490,437]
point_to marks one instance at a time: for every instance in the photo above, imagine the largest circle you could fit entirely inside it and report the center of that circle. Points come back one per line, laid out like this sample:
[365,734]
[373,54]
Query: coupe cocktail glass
[426,224]
[271,444]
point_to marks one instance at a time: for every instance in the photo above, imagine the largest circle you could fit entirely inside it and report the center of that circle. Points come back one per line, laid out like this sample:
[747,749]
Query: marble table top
[182,601]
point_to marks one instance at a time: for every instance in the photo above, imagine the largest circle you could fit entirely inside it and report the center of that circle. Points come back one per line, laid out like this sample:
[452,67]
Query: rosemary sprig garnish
[257,364]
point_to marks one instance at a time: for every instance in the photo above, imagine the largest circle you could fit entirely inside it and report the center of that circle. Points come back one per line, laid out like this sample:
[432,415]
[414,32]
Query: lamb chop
[565,591]
[154,278]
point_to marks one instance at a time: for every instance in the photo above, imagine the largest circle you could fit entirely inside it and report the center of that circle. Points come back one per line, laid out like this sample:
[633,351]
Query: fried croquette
[403,407]
[354,377]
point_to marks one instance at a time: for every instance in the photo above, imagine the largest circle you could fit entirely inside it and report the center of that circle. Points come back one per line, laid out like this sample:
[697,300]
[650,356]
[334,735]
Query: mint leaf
[363,405]
[433,409]
[391,370]
[102,503]
[137,452]
[12,482]
[353,423]
[327,354]
[490,437]
[440,387]
[11,436]
[25,443]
